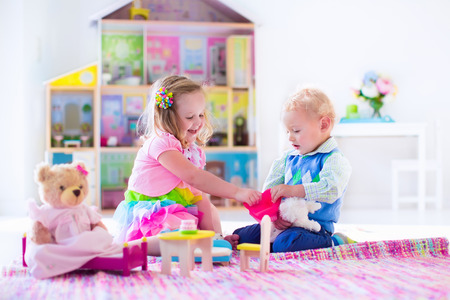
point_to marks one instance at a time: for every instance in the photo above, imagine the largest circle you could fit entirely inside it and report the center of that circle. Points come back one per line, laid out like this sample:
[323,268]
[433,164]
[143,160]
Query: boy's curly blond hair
[312,100]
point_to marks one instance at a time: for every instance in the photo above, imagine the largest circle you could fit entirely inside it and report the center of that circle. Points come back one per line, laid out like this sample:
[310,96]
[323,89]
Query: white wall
[41,39]
[12,120]
[330,43]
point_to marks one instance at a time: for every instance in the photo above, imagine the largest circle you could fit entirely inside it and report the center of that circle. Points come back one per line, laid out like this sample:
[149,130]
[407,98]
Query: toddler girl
[168,183]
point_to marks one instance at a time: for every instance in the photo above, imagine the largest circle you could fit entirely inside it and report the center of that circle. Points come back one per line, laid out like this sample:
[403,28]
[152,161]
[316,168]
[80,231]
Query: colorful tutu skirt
[140,215]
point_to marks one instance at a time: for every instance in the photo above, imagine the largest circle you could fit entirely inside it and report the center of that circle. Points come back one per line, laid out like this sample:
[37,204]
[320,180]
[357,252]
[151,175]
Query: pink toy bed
[134,255]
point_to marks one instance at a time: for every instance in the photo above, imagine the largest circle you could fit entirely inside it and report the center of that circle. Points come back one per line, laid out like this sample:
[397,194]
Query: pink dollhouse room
[77,77]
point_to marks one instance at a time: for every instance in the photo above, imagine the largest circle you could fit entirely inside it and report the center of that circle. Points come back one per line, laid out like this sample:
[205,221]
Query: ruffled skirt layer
[138,218]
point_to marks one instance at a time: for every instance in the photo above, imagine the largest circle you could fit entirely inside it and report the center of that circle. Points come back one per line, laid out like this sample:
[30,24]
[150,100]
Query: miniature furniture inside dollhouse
[93,111]
[71,118]
[137,11]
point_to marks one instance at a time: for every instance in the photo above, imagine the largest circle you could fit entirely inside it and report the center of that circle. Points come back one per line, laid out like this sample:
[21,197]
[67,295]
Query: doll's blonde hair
[312,100]
[156,118]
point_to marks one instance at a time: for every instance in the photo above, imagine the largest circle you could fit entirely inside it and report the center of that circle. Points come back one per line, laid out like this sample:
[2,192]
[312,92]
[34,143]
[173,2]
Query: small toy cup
[188,227]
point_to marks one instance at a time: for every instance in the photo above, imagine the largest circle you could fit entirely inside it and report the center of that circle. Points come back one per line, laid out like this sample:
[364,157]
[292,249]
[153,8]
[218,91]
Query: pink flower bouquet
[377,90]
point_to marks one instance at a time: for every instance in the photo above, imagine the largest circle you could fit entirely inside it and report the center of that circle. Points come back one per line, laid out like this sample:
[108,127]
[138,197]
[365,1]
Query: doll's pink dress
[75,242]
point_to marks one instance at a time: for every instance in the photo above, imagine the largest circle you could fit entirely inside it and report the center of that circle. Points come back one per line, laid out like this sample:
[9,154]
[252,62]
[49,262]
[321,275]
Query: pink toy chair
[133,256]
[264,207]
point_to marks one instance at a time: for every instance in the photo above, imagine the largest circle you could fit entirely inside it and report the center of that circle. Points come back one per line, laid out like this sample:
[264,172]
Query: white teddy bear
[296,210]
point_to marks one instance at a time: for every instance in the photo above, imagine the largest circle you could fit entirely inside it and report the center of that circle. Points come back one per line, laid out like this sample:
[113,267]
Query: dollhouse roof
[110,9]
[221,12]
[85,67]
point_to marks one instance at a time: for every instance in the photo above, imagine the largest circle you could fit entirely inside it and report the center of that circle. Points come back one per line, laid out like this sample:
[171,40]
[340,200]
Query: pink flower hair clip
[82,170]
[163,99]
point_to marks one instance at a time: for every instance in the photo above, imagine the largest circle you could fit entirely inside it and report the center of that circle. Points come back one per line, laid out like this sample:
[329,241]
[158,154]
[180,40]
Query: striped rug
[400,269]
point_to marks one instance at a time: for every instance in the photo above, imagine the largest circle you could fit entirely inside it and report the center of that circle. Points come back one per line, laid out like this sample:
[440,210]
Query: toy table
[183,246]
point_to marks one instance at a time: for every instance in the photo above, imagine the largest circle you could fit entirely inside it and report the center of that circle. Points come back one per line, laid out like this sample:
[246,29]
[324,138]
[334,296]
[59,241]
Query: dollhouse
[93,111]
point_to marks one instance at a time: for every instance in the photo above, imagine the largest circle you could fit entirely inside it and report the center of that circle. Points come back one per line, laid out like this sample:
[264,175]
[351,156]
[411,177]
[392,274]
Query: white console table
[391,130]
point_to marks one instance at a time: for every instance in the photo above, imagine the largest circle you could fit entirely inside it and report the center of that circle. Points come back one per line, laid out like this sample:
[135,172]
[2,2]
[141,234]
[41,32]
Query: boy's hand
[280,191]
[281,224]
[248,196]
[286,191]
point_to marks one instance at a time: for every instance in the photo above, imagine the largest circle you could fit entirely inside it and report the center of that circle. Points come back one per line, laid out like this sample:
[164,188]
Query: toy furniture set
[188,245]
[185,248]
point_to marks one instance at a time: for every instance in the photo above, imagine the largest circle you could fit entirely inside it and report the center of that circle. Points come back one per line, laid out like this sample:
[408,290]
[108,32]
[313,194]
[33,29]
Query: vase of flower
[376,104]
[376,90]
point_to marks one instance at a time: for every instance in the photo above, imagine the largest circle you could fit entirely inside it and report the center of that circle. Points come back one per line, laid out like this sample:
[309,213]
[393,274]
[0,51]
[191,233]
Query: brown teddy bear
[62,187]
[66,233]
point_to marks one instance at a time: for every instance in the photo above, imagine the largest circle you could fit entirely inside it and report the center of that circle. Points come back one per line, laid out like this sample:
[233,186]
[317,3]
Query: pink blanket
[75,242]
[50,260]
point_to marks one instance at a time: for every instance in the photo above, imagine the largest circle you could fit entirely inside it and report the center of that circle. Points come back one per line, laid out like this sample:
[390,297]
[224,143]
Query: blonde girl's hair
[312,100]
[156,119]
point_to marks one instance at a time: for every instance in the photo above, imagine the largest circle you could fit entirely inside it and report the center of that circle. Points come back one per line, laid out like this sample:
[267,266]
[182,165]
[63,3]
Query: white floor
[360,225]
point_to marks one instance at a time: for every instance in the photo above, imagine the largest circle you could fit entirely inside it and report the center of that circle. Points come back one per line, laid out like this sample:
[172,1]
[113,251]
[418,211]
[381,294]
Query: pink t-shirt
[149,177]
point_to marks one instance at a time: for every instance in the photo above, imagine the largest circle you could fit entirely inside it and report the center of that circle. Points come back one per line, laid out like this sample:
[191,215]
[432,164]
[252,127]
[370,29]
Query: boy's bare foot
[233,239]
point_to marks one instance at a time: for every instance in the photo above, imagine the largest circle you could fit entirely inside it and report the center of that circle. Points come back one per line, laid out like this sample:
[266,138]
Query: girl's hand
[248,196]
[281,224]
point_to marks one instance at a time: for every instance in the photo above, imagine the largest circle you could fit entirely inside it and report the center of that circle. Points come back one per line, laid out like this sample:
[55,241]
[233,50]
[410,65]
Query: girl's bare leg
[204,206]
[216,219]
